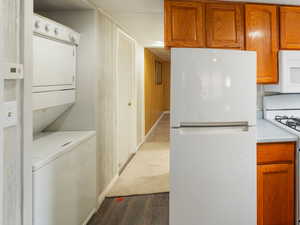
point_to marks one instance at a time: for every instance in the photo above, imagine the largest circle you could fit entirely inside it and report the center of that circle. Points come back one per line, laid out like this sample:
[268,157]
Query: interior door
[213,172]
[126,104]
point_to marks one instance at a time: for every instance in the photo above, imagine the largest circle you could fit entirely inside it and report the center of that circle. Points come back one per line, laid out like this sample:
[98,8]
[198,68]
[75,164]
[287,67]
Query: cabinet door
[184,24]
[289,27]
[262,37]
[275,194]
[225,26]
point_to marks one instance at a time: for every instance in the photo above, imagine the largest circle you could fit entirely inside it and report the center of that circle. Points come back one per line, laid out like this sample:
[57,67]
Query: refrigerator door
[213,176]
[212,86]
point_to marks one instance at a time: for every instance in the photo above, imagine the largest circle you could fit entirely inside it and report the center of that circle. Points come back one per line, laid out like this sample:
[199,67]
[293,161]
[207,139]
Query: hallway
[147,209]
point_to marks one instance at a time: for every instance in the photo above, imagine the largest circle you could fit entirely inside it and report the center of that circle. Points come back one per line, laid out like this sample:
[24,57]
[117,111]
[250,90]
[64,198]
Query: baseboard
[155,125]
[101,197]
[89,217]
[139,145]
[149,132]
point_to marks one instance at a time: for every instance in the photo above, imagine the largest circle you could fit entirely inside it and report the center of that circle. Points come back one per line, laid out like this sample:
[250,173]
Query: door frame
[1,149]
[26,21]
[134,102]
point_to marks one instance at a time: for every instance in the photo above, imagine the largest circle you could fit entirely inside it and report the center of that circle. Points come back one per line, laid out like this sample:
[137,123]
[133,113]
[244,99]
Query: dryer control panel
[51,29]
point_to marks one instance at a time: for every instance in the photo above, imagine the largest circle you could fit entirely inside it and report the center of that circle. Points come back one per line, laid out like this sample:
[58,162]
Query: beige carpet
[147,173]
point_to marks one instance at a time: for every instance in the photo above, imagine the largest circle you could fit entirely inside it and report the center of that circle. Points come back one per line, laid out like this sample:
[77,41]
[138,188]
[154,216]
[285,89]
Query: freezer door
[213,176]
[212,86]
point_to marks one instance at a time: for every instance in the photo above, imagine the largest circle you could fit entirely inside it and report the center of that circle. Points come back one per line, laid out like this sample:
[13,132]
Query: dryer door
[54,65]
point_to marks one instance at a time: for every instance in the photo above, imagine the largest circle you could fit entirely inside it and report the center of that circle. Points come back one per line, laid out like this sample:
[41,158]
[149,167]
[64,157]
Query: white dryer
[54,70]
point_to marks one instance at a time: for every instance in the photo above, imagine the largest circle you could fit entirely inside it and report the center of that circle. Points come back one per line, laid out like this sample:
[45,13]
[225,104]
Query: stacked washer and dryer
[64,166]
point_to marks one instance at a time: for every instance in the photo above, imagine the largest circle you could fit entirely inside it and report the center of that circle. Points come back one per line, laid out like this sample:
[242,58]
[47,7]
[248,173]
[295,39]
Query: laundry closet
[64,165]
[87,117]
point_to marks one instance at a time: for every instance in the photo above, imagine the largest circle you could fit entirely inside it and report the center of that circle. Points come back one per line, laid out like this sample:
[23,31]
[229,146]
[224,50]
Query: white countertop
[268,132]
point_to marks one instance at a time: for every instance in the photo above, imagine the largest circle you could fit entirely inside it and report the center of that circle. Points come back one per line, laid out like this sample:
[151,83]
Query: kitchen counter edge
[268,133]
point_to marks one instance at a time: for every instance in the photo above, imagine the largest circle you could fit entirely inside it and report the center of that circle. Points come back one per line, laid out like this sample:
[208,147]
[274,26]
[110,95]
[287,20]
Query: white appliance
[54,70]
[284,111]
[213,137]
[64,178]
[289,73]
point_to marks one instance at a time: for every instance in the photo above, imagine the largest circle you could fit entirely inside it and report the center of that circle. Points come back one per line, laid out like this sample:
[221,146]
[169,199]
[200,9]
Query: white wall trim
[26,118]
[139,145]
[86,221]
[155,125]
[1,153]
[152,129]
[103,194]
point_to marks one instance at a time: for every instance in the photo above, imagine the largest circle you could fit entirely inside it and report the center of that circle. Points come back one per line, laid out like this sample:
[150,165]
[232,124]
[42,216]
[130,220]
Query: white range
[284,111]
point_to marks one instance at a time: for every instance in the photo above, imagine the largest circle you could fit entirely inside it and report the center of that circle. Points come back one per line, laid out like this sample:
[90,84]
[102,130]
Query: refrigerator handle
[215,124]
[214,130]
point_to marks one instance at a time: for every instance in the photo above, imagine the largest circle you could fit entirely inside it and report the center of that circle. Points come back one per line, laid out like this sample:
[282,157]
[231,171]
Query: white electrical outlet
[10,114]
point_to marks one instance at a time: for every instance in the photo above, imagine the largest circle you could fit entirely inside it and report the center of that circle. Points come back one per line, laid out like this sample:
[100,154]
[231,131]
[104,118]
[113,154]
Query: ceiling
[142,19]
[162,53]
[61,5]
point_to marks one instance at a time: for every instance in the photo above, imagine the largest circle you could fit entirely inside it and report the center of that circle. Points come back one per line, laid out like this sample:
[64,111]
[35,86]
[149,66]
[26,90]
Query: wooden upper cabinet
[224,25]
[275,194]
[262,36]
[184,24]
[290,27]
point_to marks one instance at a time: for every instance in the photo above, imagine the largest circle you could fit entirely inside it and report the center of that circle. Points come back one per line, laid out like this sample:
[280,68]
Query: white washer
[64,178]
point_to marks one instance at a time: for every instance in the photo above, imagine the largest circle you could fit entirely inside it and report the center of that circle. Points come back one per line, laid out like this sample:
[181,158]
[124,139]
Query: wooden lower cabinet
[275,194]
[276,185]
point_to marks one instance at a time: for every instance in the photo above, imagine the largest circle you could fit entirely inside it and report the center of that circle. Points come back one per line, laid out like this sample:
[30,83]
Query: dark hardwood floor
[135,210]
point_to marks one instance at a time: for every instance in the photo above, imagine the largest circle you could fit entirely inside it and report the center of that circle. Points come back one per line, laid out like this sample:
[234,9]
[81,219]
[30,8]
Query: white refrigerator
[213,137]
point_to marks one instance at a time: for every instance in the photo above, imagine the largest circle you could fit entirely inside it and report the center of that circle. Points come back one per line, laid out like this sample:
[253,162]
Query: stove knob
[37,24]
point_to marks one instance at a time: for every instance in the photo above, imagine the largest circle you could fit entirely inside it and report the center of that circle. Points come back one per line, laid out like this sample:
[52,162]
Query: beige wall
[157,97]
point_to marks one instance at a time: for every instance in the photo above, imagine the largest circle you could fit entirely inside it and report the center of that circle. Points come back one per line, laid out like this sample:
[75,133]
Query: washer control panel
[49,28]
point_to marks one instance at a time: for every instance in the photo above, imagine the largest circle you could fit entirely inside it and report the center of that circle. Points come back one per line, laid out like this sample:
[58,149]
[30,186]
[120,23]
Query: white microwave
[289,73]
